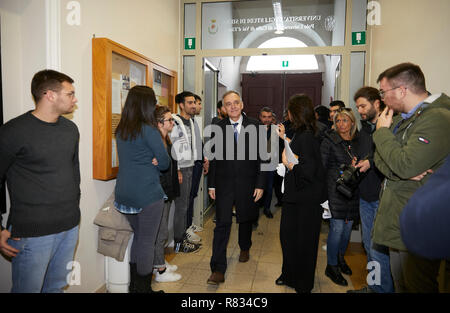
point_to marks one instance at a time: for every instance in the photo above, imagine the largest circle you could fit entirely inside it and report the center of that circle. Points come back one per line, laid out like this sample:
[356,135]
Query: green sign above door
[285,64]
[358,38]
[189,43]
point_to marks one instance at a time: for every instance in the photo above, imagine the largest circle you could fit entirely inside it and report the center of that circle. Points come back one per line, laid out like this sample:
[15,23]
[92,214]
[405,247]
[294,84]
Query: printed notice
[115,97]
[291,158]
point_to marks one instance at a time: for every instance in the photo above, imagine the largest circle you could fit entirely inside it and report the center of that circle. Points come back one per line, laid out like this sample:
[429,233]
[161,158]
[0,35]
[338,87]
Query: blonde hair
[349,113]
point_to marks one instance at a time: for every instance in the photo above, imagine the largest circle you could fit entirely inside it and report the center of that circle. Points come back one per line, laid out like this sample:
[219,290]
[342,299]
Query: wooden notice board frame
[109,61]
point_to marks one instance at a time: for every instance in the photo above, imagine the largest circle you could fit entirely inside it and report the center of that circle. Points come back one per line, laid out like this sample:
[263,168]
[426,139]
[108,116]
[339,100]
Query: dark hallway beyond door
[274,90]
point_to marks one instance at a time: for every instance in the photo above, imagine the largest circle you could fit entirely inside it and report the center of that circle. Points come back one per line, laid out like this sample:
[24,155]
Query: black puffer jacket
[333,151]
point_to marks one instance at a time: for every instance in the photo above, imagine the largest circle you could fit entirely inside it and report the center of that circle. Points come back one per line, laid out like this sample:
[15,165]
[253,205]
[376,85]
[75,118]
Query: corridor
[258,275]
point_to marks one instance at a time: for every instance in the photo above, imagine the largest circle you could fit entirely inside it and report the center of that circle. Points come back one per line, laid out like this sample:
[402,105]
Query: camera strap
[348,150]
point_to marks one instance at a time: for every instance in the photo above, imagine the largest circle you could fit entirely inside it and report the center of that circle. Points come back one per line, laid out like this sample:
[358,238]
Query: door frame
[345,50]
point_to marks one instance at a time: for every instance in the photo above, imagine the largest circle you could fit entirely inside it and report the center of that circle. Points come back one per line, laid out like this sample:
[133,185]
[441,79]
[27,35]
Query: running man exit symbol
[189,43]
[358,38]
[285,64]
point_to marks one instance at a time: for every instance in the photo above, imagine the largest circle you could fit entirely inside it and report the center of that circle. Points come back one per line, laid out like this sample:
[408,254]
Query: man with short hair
[186,149]
[221,113]
[335,106]
[409,146]
[39,158]
[200,166]
[234,181]
[369,105]
[266,118]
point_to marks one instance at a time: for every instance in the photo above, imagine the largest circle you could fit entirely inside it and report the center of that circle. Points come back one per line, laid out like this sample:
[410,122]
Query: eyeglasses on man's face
[383,92]
[168,120]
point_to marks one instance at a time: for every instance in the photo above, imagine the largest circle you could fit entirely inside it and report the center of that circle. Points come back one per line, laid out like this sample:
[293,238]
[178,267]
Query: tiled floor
[263,268]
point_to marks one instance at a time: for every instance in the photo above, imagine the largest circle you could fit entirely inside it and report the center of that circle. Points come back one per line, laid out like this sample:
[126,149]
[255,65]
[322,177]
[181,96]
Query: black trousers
[220,242]
[299,236]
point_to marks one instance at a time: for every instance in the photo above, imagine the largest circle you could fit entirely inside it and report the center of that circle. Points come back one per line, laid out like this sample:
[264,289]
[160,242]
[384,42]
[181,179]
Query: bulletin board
[116,69]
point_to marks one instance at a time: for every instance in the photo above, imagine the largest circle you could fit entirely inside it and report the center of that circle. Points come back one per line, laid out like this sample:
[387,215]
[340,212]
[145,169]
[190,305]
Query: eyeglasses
[383,92]
[168,120]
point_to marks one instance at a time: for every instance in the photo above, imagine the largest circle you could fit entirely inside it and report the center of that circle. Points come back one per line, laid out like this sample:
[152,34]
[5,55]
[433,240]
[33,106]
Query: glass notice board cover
[116,69]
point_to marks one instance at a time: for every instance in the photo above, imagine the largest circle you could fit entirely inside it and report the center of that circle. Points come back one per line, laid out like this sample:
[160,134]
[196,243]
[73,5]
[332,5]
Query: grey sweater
[41,165]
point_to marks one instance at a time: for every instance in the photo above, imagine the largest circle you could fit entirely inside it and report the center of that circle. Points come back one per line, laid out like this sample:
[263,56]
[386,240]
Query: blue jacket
[425,220]
[138,184]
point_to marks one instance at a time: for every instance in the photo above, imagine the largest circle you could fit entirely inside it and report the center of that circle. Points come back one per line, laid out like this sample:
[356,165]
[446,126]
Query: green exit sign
[189,43]
[285,64]
[358,38]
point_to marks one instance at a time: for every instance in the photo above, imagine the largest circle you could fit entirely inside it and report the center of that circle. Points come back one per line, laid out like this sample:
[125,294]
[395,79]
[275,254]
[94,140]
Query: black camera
[348,180]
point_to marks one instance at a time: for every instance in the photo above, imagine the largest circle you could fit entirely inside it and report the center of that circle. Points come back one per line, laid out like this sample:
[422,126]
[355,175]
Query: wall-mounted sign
[358,38]
[189,43]
[285,64]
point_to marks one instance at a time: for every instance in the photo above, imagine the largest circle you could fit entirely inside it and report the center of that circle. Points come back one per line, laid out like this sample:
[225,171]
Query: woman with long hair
[138,192]
[171,186]
[304,191]
[341,147]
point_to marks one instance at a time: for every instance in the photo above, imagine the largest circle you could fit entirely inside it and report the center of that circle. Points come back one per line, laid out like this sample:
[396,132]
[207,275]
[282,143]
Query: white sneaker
[196,229]
[192,237]
[170,267]
[167,277]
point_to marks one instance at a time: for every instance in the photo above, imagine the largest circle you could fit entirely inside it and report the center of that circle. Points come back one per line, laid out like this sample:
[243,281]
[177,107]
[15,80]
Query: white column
[53,33]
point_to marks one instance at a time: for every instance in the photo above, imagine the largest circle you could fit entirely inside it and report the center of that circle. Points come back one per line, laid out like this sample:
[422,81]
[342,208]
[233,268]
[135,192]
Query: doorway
[274,90]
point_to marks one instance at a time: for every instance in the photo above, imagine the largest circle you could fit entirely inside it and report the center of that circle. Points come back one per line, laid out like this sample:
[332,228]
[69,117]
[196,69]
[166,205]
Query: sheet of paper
[115,97]
[136,75]
[289,154]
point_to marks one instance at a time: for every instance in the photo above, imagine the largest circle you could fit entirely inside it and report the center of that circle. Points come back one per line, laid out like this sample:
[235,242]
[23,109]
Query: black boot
[332,271]
[133,273]
[144,284]
[343,265]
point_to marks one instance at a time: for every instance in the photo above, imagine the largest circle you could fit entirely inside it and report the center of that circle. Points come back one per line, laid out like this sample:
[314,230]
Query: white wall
[23,54]
[150,27]
[413,31]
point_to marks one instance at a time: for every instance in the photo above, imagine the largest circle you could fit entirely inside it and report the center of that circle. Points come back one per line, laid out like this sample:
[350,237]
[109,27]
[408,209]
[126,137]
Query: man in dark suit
[236,179]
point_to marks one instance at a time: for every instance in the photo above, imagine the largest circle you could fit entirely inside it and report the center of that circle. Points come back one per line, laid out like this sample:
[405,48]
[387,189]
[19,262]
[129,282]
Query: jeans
[197,172]
[163,235]
[41,265]
[338,238]
[181,205]
[368,211]
[145,226]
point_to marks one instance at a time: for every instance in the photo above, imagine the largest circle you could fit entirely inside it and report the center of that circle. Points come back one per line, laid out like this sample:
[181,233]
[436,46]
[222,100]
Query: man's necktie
[235,131]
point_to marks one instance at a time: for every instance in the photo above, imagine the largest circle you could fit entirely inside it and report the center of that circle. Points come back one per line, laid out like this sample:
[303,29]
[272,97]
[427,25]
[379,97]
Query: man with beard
[369,105]
[187,147]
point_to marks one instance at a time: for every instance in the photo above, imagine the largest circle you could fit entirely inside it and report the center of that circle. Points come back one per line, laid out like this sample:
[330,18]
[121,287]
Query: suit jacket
[235,180]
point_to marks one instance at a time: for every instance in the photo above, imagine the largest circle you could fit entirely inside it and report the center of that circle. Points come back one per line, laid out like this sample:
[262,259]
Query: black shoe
[343,265]
[332,271]
[280,281]
[267,213]
[144,284]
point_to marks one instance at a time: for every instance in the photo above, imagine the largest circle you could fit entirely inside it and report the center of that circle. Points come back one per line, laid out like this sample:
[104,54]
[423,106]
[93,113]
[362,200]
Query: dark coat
[235,180]
[306,183]
[371,182]
[169,178]
[333,151]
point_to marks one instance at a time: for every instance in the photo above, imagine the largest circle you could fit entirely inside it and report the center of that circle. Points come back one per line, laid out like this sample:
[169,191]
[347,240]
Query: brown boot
[216,278]
[244,256]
